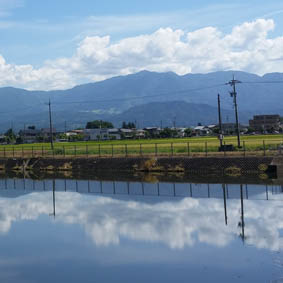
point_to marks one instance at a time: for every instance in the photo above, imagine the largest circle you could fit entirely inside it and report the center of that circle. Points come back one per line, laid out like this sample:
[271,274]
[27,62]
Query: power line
[268,82]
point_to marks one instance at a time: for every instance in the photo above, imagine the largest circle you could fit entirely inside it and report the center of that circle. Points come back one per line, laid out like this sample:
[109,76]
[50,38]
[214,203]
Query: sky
[59,44]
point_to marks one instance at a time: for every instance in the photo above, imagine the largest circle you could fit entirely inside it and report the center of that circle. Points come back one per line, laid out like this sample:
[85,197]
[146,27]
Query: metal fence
[248,148]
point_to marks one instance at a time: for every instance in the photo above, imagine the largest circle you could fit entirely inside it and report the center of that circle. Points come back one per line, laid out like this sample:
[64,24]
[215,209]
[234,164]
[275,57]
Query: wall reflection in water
[174,214]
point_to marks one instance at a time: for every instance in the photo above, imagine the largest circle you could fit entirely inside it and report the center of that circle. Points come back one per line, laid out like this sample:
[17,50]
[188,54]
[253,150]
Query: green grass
[149,146]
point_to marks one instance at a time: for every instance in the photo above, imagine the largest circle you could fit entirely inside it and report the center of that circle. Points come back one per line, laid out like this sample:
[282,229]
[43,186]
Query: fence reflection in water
[162,189]
[158,190]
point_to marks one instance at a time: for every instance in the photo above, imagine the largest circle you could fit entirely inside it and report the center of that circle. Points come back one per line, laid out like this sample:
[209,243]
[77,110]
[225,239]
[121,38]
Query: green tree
[250,130]
[96,124]
[129,125]
[10,136]
[167,133]
[188,132]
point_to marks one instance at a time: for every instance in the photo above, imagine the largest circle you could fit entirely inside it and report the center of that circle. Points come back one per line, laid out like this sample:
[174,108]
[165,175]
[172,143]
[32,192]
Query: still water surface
[91,231]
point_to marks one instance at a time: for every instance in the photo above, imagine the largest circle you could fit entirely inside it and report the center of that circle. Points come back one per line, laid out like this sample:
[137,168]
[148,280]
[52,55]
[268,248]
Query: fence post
[42,151]
[206,149]
[112,150]
[172,149]
[264,150]
[13,151]
[75,149]
[23,151]
[224,149]
[126,150]
[32,151]
[4,151]
[64,151]
[156,149]
[244,144]
[99,154]
[188,148]
[86,149]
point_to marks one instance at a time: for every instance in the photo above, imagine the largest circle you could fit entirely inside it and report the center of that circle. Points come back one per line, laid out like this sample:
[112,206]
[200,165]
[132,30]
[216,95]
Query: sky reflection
[177,223]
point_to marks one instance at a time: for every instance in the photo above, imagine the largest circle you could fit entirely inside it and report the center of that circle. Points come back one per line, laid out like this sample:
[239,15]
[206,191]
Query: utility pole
[50,125]
[233,94]
[220,122]
[65,127]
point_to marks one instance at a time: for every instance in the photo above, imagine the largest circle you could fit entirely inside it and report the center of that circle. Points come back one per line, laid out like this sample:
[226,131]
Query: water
[92,231]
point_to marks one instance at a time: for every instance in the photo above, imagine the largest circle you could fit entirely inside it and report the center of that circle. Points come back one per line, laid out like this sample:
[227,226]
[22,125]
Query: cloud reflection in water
[174,223]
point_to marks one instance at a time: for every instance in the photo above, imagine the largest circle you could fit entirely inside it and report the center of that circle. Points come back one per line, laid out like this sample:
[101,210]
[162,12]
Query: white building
[101,134]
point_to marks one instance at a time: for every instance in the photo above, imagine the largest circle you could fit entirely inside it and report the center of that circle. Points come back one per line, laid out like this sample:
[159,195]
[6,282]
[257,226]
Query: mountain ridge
[119,94]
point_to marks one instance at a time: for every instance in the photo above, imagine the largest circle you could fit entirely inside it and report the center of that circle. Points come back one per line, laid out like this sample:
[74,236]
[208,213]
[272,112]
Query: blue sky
[34,32]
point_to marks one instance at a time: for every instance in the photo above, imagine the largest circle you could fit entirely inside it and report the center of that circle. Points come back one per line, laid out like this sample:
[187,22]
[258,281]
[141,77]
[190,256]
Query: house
[45,133]
[30,135]
[231,128]
[201,131]
[127,133]
[152,131]
[181,132]
[101,134]
[140,134]
[114,134]
[265,123]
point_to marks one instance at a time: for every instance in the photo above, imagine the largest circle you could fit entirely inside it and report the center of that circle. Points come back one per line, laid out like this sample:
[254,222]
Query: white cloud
[246,48]
[7,5]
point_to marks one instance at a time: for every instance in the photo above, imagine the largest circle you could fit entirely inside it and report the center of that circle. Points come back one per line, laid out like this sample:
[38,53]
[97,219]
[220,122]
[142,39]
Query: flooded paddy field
[85,230]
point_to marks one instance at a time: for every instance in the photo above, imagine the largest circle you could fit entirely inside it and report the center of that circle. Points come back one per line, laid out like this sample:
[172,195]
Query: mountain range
[145,97]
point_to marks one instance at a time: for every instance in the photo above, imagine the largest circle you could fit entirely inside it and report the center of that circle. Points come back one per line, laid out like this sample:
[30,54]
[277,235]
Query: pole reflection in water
[242,222]
[54,200]
[225,206]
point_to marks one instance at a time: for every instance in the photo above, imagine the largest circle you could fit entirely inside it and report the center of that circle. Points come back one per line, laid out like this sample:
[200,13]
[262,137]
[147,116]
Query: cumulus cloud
[247,48]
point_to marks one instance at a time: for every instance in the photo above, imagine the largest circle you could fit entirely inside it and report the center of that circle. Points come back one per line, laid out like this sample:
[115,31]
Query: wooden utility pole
[233,94]
[220,123]
[50,125]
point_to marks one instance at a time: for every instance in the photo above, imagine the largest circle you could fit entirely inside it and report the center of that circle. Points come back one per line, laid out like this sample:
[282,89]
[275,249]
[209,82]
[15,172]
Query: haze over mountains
[145,97]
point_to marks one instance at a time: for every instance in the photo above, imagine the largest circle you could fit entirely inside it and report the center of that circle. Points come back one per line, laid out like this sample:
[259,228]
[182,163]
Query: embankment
[200,165]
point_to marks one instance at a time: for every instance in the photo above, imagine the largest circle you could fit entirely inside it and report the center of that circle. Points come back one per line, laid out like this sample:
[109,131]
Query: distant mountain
[112,98]
[181,113]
